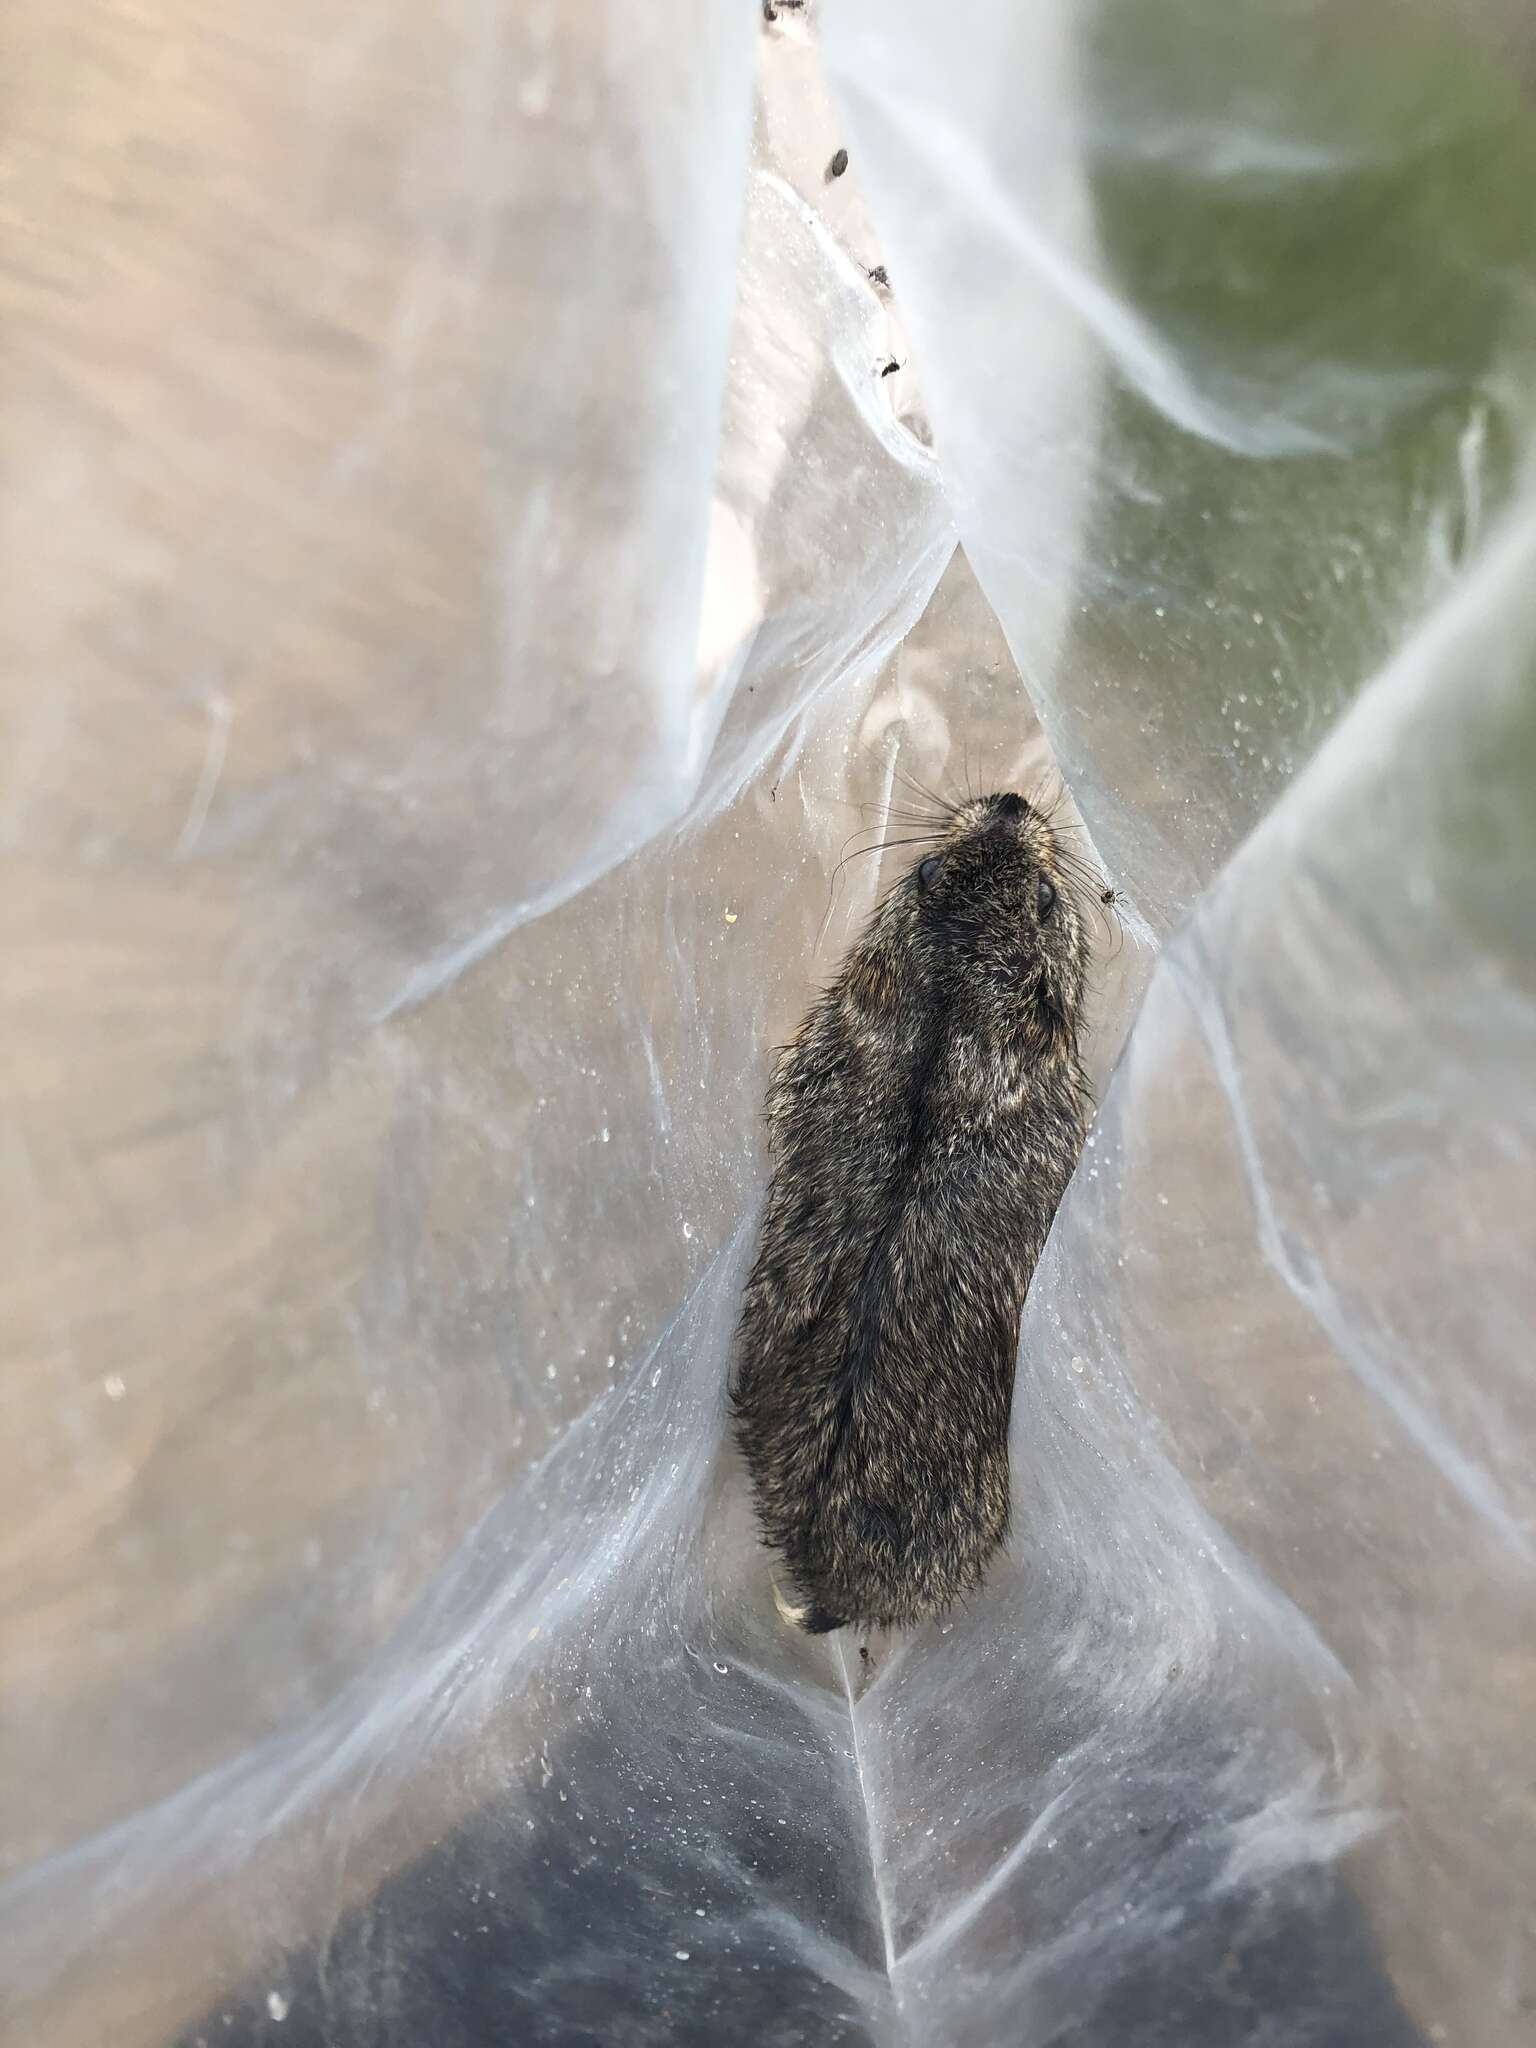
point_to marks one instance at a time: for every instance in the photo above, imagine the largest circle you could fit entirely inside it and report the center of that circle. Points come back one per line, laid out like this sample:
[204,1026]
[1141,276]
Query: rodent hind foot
[819,1622]
[806,1615]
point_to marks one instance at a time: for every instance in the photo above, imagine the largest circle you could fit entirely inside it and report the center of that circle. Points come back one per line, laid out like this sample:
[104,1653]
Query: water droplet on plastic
[681,1954]
[277,2005]
[114,1386]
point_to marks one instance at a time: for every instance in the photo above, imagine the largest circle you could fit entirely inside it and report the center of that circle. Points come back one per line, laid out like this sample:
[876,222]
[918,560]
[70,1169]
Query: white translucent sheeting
[1246,1737]
[447,657]
[373,440]
[1224,318]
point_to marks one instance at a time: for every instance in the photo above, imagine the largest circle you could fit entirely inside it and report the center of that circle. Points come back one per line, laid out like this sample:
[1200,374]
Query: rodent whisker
[920,828]
[1049,780]
[1100,907]
[883,845]
[887,810]
[904,816]
[888,764]
[1110,920]
[875,846]
[1078,869]
[1091,889]
[921,789]
[1087,879]
[1077,857]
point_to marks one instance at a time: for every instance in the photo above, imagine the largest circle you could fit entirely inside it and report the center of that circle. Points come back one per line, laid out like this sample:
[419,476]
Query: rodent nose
[1010,807]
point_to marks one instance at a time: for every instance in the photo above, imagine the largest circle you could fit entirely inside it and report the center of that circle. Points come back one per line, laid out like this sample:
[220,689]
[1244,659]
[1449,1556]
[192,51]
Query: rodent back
[924,1122]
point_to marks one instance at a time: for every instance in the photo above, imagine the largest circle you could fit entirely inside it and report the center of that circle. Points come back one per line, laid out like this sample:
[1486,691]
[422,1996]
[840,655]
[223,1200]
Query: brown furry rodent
[923,1124]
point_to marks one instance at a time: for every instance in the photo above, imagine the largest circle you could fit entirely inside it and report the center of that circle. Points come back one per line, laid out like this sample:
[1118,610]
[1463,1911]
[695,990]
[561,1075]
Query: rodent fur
[923,1125]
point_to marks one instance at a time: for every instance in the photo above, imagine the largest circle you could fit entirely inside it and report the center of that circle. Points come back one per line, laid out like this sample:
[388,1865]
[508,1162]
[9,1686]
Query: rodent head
[991,906]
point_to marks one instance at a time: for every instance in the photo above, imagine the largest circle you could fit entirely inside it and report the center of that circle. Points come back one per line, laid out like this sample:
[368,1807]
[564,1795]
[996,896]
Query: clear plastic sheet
[446,655]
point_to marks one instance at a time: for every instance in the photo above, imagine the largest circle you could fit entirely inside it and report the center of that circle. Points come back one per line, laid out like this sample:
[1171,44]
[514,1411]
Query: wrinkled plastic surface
[446,650]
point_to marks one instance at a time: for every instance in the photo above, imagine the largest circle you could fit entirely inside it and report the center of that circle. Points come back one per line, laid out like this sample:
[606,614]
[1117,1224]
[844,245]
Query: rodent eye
[1045,897]
[927,869]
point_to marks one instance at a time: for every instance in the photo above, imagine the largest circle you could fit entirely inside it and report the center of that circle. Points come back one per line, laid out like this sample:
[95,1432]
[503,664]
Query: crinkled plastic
[447,655]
